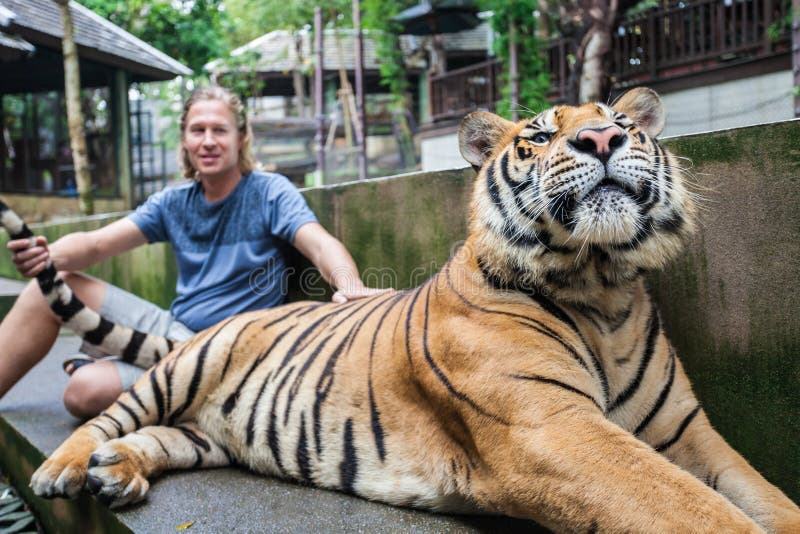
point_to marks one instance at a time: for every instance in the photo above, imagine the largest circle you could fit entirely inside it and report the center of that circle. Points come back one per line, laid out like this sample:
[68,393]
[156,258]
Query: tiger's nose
[599,142]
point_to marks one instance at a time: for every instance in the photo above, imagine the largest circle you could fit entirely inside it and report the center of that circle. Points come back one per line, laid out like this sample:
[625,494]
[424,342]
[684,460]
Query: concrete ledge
[34,423]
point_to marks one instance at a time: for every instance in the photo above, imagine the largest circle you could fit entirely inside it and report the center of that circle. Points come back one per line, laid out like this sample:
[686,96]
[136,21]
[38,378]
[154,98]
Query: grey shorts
[120,306]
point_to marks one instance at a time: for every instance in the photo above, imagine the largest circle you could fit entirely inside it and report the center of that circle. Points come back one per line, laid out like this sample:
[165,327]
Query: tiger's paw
[64,473]
[115,475]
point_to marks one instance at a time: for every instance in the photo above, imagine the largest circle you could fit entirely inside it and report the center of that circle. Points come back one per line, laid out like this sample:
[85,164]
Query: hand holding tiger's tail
[29,255]
[32,259]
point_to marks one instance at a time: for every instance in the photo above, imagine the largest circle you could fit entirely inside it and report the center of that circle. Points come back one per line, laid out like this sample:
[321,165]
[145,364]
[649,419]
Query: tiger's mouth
[611,186]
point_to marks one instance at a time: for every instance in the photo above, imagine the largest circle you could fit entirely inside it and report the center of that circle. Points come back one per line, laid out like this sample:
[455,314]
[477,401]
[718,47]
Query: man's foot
[73,363]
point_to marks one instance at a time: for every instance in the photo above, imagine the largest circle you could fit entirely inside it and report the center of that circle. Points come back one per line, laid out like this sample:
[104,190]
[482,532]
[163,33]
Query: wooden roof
[101,45]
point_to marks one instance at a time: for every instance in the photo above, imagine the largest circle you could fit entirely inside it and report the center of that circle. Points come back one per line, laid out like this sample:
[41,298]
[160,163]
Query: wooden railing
[460,91]
[658,44]
[697,34]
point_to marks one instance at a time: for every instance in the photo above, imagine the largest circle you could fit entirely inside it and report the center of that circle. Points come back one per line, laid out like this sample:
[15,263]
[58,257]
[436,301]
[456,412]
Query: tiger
[530,376]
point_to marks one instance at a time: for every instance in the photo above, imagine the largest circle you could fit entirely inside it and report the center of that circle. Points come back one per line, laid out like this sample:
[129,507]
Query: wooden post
[319,97]
[513,70]
[796,55]
[75,119]
[361,120]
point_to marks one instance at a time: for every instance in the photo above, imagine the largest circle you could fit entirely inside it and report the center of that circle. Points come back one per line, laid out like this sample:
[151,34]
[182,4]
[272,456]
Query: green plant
[534,78]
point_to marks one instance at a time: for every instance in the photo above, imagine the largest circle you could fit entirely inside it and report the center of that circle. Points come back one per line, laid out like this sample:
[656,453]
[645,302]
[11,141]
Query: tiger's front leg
[681,431]
[170,393]
[119,469]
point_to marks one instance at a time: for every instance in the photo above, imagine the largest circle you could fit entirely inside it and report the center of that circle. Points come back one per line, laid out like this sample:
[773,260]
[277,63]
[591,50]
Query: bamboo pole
[319,97]
[361,121]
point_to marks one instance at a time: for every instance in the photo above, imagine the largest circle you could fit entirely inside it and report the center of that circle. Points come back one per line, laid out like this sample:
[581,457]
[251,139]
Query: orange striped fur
[531,376]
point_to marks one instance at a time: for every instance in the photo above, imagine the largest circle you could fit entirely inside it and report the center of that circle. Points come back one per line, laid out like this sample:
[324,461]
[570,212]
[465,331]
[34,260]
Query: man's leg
[29,330]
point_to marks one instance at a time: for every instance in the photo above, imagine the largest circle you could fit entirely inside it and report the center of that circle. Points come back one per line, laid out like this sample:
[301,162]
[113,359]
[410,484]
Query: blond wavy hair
[214,92]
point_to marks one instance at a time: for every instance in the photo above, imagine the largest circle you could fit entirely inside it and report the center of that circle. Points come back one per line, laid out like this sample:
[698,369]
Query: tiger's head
[576,196]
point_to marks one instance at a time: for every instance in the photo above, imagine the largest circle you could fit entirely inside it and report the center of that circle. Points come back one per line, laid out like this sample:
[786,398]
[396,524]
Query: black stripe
[233,346]
[135,396]
[562,316]
[357,328]
[96,336]
[136,422]
[160,443]
[349,465]
[194,385]
[646,230]
[558,383]
[302,451]
[375,416]
[517,188]
[408,324]
[133,347]
[662,397]
[322,389]
[295,347]
[443,377]
[272,432]
[169,369]
[114,421]
[47,279]
[678,433]
[288,314]
[653,329]
[522,319]
[198,458]
[295,387]
[159,397]
[67,311]
[101,429]
[233,398]
[195,438]
[251,421]
[510,232]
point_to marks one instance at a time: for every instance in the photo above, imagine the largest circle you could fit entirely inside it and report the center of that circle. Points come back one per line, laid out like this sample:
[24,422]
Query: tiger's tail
[134,347]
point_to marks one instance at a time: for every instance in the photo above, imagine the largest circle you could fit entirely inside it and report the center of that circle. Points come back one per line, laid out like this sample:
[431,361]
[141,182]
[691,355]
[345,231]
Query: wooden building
[34,146]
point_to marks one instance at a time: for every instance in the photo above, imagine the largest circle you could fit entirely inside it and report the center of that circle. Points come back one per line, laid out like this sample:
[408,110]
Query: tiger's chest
[634,357]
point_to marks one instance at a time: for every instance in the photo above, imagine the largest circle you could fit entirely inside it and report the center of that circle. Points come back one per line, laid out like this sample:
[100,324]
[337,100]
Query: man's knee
[91,389]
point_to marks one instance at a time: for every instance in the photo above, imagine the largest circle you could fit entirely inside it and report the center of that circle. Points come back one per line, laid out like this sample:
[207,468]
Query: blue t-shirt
[228,252]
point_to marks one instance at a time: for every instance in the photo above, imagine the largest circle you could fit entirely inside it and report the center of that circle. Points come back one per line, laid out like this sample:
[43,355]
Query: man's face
[212,140]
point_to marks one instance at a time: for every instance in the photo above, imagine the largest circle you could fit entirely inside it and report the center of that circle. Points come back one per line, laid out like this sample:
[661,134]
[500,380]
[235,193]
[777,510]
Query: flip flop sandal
[78,361]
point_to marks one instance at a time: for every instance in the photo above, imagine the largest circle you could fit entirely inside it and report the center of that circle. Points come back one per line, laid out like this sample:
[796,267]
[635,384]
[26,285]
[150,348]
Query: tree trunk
[298,80]
[594,82]
[72,93]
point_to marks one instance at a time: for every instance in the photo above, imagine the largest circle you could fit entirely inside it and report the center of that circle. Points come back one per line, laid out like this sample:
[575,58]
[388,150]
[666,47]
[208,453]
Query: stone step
[33,423]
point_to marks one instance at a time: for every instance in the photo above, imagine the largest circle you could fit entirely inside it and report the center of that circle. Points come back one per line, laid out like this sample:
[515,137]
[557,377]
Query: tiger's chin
[606,217]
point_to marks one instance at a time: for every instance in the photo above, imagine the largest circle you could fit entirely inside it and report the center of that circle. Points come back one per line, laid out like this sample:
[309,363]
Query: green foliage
[377,16]
[252,19]
[534,79]
[190,31]
[241,77]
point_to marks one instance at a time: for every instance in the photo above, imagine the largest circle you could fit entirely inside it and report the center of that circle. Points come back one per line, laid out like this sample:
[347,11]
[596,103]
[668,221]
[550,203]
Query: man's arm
[79,250]
[334,262]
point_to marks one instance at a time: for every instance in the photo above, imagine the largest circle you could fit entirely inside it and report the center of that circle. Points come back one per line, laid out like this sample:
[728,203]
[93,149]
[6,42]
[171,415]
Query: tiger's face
[578,182]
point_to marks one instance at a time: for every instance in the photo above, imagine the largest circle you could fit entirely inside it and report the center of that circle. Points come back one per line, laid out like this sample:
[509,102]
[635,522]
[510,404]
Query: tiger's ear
[479,134]
[643,106]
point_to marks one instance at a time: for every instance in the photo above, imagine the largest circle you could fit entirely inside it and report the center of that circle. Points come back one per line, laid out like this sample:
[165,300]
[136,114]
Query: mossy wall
[731,305]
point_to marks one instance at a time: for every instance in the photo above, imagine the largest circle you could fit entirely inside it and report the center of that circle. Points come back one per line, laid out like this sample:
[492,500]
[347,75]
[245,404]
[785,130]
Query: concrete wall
[441,152]
[730,305]
[741,102]
[45,208]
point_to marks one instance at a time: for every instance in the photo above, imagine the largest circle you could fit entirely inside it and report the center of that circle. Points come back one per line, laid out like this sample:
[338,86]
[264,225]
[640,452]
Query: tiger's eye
[541,138]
